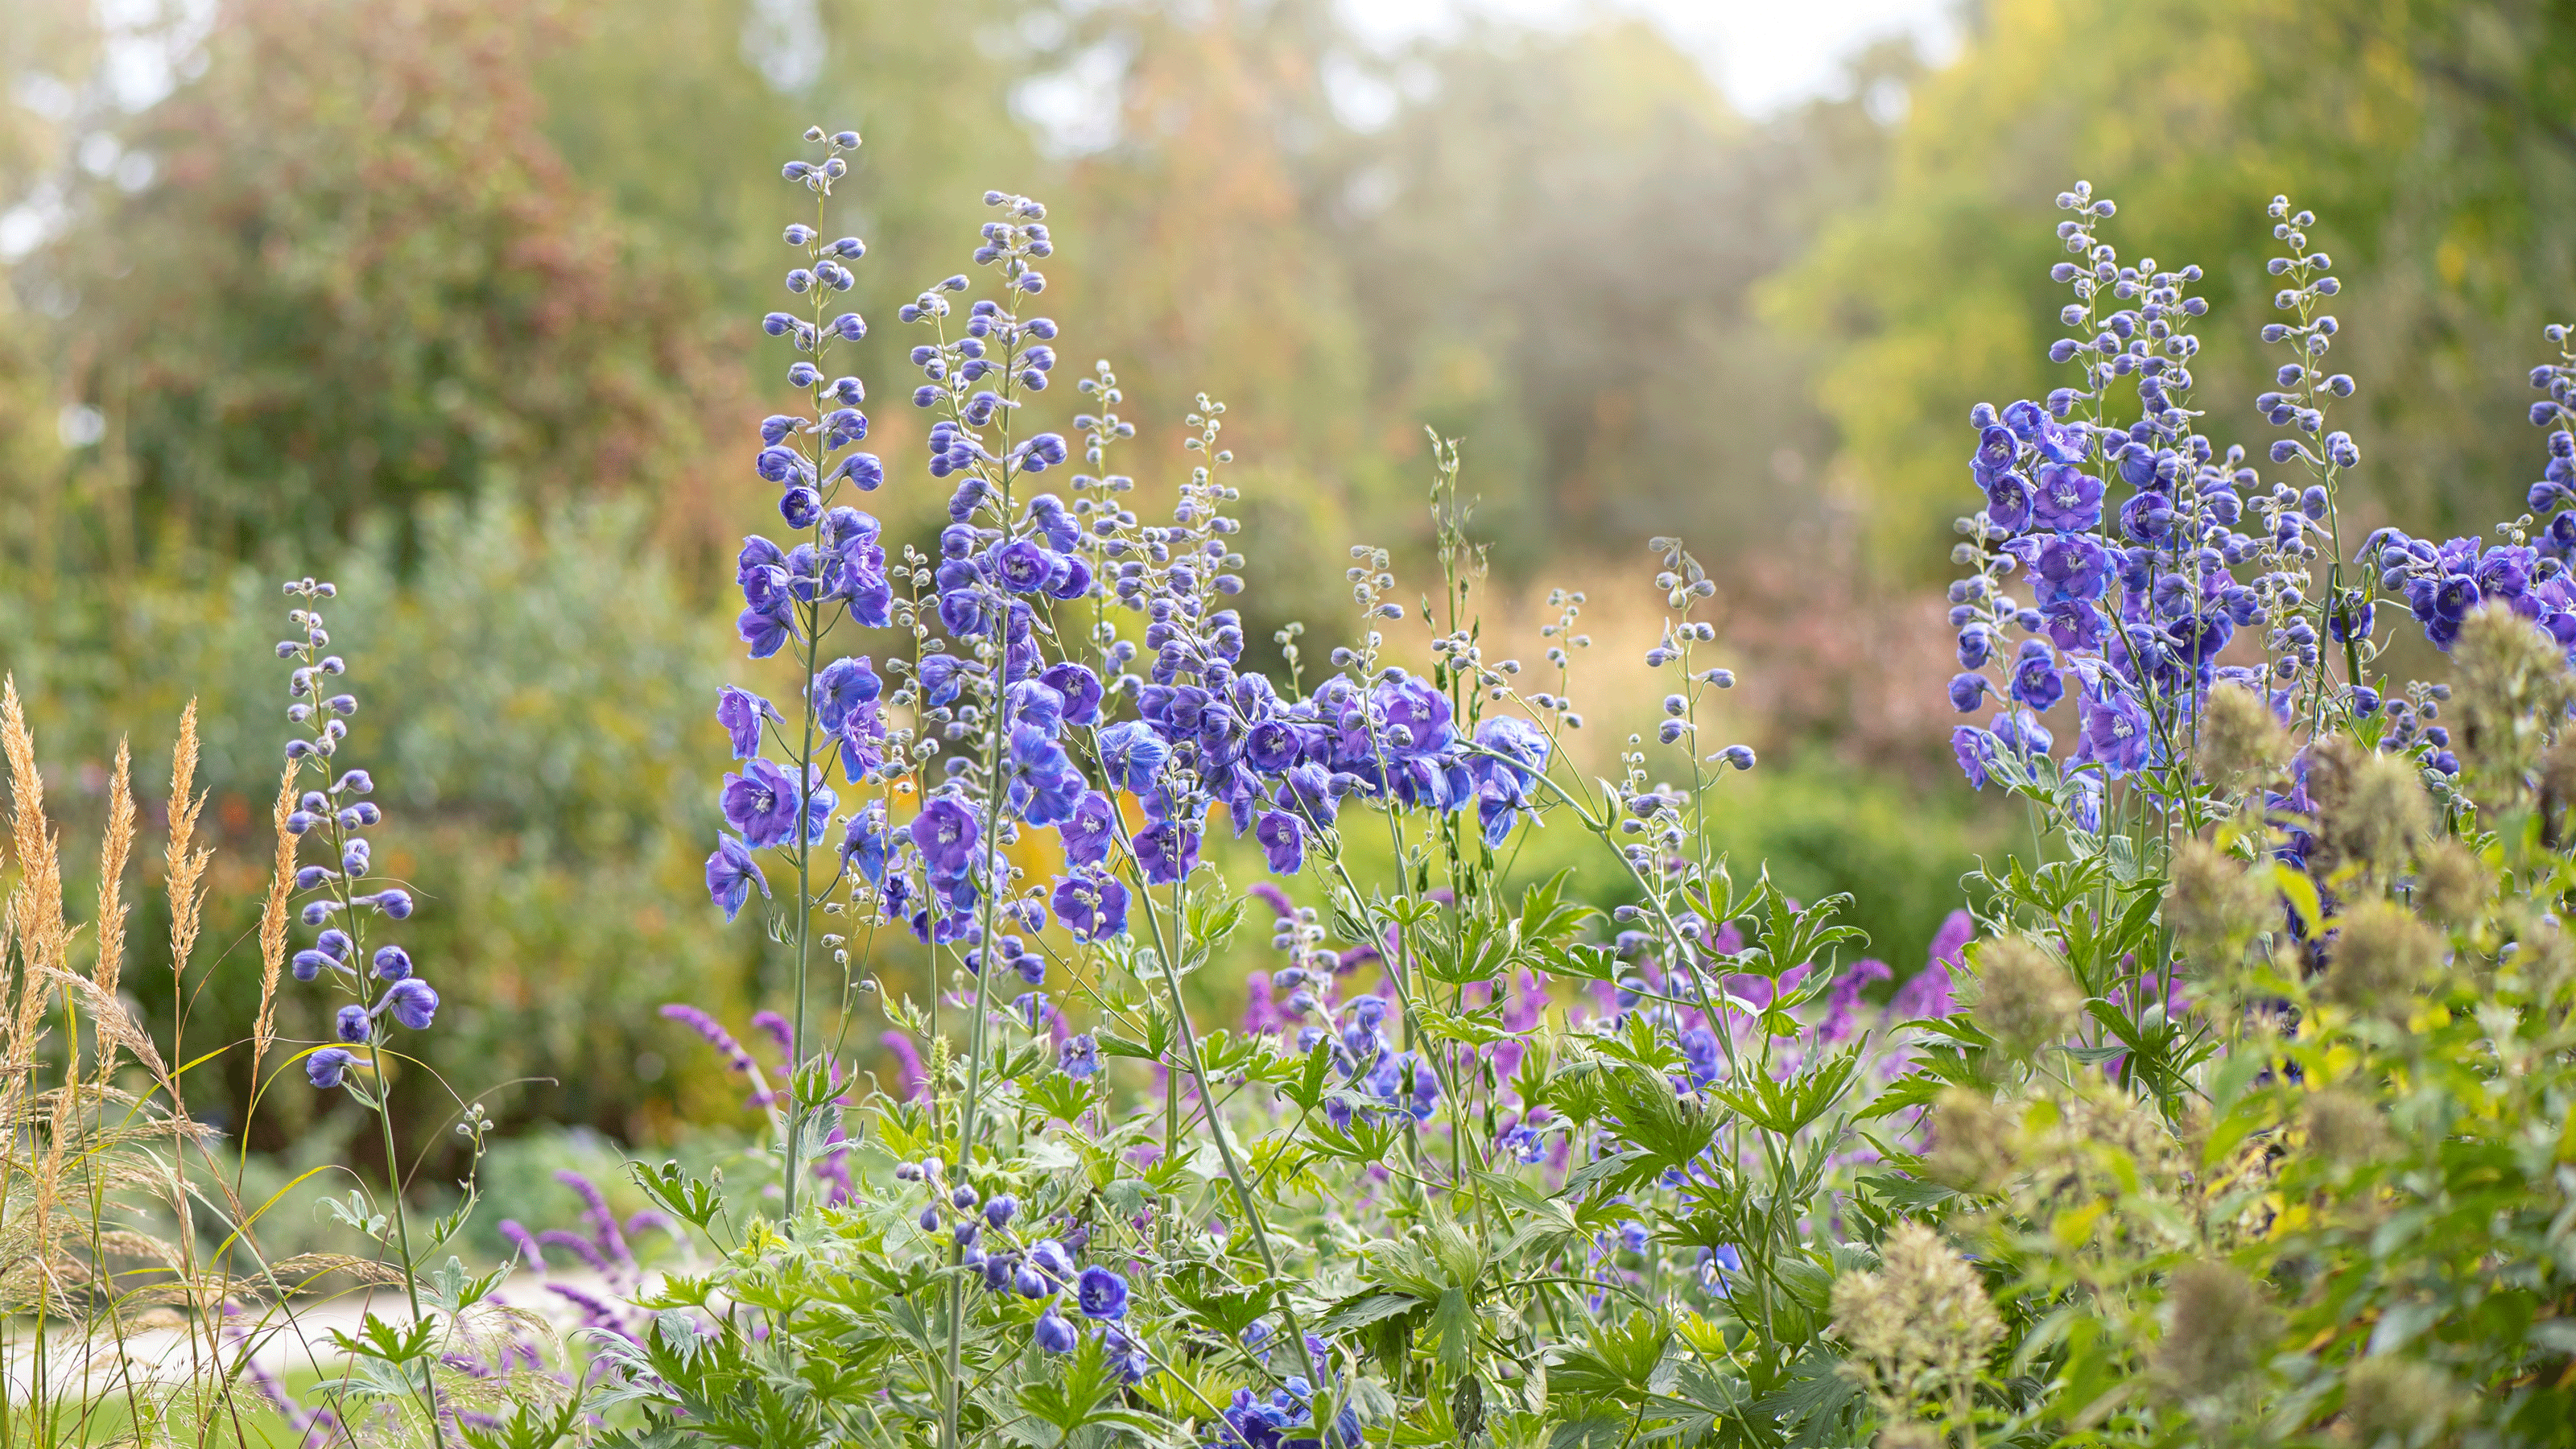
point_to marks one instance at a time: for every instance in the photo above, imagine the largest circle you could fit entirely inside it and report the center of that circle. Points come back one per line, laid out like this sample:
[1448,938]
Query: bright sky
[1766,53]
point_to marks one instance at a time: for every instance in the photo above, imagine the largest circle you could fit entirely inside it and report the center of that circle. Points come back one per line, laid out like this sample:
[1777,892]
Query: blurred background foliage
[453,301]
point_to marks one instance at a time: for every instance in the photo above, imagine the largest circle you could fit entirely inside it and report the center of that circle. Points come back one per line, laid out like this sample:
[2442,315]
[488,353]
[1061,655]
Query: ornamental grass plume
[2381,956]
[2027,1000]
[2219,1325]
[1919,1328]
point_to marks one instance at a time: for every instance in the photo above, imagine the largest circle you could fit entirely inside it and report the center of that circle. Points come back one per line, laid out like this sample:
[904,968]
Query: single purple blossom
[741,712]
[945,833]
[731,873]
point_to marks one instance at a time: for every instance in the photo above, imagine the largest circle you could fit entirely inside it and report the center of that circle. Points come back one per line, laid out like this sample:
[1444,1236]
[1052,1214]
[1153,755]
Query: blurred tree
[1553,251]
[356,276]
[702,199]
[2430,137]
[47,51]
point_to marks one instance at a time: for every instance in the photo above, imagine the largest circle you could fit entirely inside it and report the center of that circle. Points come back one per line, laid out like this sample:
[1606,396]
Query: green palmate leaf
[1060,1097]
[1547,918]
[1114,1045]
[1308,1087]
[1083,1378]
[529,1429]
[1363,1309]
[1592,1431]
[1616,1360]
[1578,962]
[1453,1331]
[1482,1026]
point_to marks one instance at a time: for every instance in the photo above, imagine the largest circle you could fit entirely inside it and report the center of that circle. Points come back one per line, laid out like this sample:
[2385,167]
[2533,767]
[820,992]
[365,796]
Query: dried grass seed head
[2371,808]
[2510,687]
[1925,1307]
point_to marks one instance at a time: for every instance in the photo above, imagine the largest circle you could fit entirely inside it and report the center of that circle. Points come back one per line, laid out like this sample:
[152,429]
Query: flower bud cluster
[341,892]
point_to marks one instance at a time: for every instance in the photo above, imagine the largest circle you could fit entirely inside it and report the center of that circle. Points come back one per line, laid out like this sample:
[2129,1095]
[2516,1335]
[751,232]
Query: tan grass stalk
[187,869]
[272,920]
[113,853]
[36,905]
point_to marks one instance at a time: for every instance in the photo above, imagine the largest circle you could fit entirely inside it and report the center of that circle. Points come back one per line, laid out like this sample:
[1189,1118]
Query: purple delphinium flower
[1975,750]
[1053,1334]
[2036,681]
[1283,841]
[1079,687]
[328,1067]
[1078,1056]
[1842,1002]
[842,686]
[1101,1294]
[712,1030]
[2066,498]
[945,833]
[740,712]
[1415,717]
[1168,850]
[1926,994]
[865,842]
[1091,905]
[1091,831]
[2115,732]
[1133,754]
[731,873]
[908,1058]
[411,1002]
[761,803]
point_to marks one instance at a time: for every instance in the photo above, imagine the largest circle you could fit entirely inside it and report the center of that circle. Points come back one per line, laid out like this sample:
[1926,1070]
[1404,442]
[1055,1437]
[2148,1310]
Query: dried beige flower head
[2396,1403]
[2452,884]
[1973,1140]
[2214,903]
[2371,808]
[2380,959]
[1910,1434]
[2344,1128]
[2557,789]
[2241,741]
[2026,1000]
[1920,1326]
[2219,1329]
[2510,684]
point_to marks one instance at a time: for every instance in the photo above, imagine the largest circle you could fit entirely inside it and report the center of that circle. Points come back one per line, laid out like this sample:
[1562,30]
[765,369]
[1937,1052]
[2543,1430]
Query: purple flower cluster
[2528,571]
[2144,554]
[341,895]
[1043,743]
